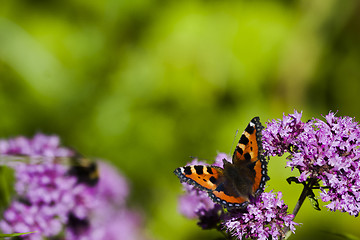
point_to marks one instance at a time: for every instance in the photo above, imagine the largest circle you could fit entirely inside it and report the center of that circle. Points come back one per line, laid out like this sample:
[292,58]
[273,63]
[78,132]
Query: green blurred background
[147,84]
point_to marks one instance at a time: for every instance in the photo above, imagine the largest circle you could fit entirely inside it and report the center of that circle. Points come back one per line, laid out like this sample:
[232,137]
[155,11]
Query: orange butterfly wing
[210,179]
[204,177]
[249,169]
[249,149]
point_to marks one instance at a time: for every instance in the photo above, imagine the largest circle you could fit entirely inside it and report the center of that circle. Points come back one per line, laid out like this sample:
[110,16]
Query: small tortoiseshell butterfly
[234,185]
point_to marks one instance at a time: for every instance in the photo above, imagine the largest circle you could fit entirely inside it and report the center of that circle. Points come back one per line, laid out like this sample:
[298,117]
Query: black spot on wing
[209,170]
[213,180]
[239,150]
[250,129]
[244,140]
[199,170]
[220,188]
[247,156]
[255,120]
[187,170]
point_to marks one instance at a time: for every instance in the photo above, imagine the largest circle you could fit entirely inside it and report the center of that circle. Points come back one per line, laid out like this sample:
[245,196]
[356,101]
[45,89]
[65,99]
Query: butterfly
[234,185]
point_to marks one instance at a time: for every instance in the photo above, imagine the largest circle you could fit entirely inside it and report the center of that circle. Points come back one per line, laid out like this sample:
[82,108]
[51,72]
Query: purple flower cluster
[279,135]
[54,204]
[266,218]
[327,151]
[107,217]
[39,145]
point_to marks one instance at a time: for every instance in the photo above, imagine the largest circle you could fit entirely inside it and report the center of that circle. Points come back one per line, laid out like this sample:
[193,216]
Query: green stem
[4,188]
[303,195]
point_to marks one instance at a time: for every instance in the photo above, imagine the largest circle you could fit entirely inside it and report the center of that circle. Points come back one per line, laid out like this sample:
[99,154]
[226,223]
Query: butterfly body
[236,183]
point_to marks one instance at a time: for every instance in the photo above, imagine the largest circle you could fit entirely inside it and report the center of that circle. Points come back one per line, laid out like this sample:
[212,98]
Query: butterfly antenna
[232,145]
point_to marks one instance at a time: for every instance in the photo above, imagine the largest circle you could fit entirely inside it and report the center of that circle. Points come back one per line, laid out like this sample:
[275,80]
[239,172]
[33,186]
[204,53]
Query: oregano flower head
[325,150]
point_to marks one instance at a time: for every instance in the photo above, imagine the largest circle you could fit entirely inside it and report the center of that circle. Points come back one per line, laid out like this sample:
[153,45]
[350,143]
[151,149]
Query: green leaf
[14,234]
[6,186]
[314,202]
